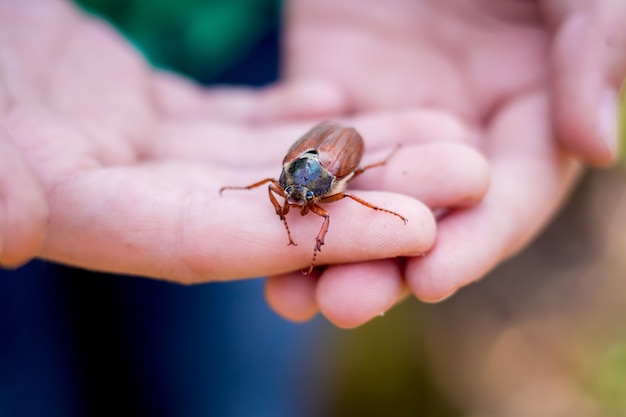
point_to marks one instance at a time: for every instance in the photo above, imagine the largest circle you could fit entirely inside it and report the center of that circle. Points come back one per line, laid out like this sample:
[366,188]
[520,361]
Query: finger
[348,295]
[240,147]
[589,64]
[441,175]
[384,130]
[292,295]
[23,207]
[179,98]
[250,147]
[530,180]
[356,233]
[351,295]
[162,222]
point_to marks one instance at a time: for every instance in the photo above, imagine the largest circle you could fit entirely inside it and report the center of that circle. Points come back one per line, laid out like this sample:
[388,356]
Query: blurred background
[543,335]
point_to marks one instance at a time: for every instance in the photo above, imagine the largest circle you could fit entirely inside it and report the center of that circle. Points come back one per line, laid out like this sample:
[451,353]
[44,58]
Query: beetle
[315,171]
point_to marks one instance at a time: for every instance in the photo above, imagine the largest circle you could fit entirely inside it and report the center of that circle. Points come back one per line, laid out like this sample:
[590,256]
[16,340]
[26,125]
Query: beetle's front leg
[281,211]
[319,239]
[251,186]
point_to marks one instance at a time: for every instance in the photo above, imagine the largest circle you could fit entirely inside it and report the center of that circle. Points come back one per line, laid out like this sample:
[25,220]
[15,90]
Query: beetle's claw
[309,271]
[404,219]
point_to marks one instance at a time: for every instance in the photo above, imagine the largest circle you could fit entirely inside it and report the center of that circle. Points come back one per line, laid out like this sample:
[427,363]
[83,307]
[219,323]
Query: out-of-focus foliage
[195,37]
[606,377]
[382,369]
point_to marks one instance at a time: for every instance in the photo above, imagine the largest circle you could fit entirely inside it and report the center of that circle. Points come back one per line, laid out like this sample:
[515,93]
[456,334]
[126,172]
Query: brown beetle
[316,170]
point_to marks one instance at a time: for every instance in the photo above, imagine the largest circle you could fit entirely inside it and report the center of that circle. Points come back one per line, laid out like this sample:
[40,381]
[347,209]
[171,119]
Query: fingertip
[358,233]
[437,174]
[468,245]
[589,131]
[292,296]
[585,94]
[353,294]
[297,99]
[429,286]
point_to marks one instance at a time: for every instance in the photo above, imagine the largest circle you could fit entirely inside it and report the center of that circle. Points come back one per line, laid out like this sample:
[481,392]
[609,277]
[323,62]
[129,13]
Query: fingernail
[608,121]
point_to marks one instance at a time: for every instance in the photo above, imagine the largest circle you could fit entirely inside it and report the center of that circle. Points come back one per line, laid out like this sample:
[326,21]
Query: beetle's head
[304,179]
[299,193]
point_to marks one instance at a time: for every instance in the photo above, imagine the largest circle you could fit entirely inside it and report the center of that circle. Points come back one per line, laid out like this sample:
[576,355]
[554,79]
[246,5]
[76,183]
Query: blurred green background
[202,39]
[543,335]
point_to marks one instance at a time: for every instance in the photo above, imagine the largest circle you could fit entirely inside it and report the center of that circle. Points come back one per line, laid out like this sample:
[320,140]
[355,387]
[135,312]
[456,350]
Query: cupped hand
[109,165]
[517,74]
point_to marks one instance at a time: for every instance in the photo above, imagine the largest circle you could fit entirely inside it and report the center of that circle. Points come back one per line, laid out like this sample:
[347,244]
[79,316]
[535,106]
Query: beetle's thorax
[305,179]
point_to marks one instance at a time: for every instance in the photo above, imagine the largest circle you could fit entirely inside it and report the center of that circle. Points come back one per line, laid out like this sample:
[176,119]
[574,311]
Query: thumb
[588,66]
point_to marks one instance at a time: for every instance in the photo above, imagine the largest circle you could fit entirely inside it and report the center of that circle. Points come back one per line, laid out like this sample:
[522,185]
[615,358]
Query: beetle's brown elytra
[315,171]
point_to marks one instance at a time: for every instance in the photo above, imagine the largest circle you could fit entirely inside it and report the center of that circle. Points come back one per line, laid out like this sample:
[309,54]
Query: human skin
[535,81]
[110,165]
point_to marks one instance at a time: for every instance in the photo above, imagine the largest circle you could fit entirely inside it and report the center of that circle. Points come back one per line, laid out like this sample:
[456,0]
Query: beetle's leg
[359,171]
[281,211]
[251,186]
[319,239]
[340,196]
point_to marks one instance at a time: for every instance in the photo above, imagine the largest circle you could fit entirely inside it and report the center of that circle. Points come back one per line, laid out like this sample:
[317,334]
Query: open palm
[110,165]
